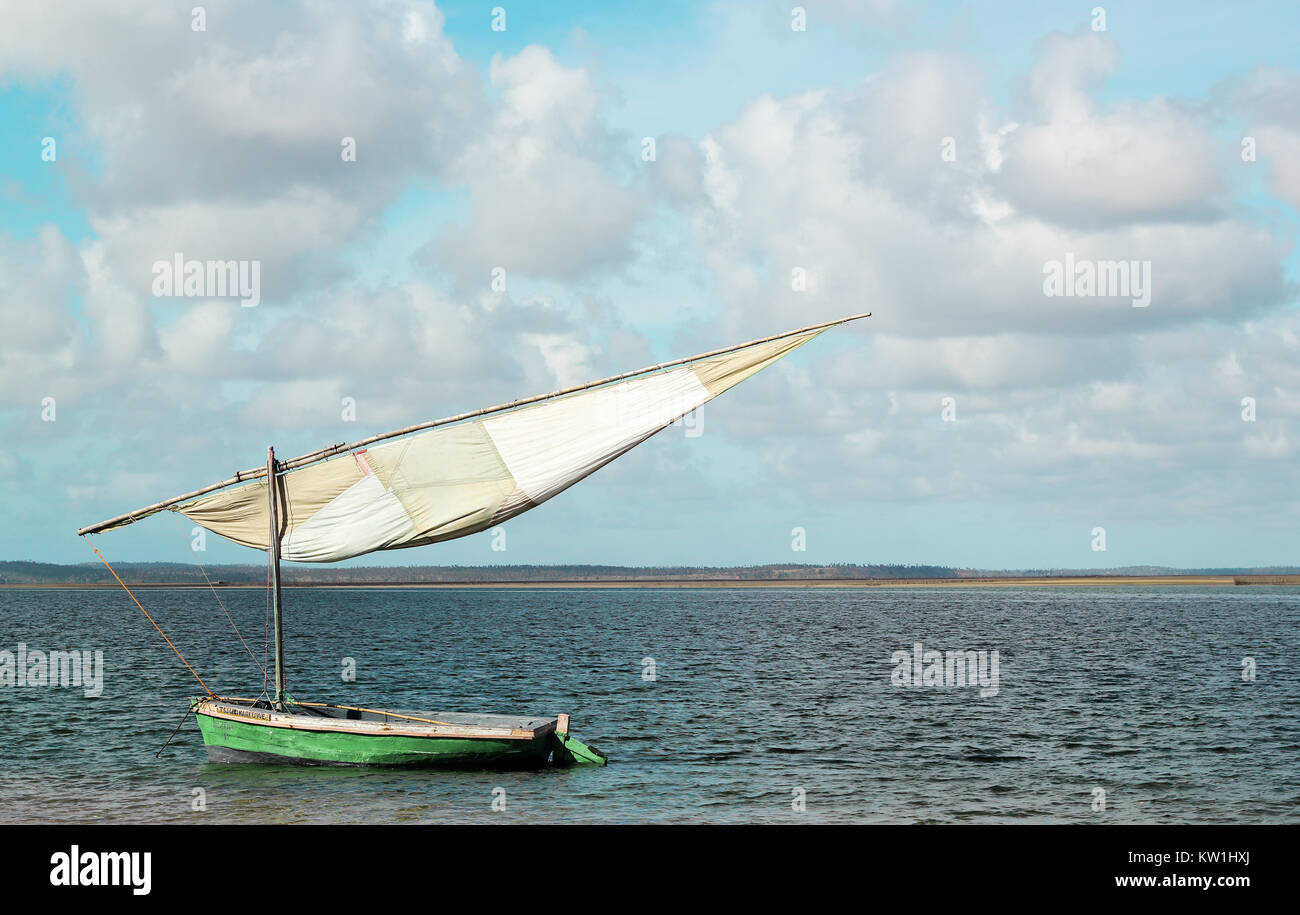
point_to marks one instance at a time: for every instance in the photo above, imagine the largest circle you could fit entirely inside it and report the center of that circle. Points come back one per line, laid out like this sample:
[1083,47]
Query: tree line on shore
[34,573]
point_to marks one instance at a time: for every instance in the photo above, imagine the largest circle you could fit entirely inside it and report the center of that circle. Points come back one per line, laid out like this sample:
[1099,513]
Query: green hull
[316,733]
[253,742]
[237,741]
[570,751]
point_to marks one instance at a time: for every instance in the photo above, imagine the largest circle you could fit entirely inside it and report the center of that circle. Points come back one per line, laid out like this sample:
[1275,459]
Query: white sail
[460,479]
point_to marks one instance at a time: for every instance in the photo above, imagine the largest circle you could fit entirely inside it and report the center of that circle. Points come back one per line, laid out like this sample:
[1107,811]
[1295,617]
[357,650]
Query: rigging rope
[210,693]
[213,588]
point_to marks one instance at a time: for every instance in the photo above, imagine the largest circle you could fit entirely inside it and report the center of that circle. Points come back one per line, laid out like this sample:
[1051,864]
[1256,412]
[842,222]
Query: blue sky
[776,149]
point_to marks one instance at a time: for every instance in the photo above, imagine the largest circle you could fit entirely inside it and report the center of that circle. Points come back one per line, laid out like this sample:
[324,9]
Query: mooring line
[184,718]
[210,693]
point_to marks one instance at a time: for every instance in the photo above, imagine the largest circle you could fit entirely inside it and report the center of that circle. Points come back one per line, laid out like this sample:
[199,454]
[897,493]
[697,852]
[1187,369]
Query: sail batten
[463,474]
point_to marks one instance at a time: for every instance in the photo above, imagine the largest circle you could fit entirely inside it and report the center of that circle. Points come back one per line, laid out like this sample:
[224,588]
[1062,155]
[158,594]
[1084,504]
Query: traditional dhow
[424,484]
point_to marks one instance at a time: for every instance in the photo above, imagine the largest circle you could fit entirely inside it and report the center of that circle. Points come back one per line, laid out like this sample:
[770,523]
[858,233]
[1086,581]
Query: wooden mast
[273,495]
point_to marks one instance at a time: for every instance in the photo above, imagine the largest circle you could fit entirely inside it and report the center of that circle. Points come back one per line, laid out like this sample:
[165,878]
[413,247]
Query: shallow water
[757,695]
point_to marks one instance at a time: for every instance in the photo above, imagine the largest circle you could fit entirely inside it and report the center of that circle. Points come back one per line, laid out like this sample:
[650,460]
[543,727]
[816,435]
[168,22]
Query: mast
[273,494]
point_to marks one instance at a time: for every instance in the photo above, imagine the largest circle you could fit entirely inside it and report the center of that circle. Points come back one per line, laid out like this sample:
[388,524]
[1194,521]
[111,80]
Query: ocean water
[761,702]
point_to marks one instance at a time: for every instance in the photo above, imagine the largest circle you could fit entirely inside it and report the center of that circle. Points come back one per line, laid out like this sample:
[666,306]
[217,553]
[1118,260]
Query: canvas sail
[460,479]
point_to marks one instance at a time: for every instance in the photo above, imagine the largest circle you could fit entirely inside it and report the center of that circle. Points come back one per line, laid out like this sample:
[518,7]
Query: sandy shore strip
[738,583]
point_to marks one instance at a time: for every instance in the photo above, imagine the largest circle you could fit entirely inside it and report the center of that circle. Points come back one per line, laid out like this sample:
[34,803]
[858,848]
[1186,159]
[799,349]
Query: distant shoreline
[1043,581]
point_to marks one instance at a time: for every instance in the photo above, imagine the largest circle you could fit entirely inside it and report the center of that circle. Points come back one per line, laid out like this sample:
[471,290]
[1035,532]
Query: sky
[933,163]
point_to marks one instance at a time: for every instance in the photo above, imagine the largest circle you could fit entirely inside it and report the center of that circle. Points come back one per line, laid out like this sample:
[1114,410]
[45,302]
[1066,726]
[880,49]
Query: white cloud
[262,98]
[1269,98]
[1078,161]
[547,199]
[225,145]
[40,279]
[807,182]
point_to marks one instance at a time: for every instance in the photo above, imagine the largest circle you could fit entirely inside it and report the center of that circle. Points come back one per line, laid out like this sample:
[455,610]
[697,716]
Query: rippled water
[756,695]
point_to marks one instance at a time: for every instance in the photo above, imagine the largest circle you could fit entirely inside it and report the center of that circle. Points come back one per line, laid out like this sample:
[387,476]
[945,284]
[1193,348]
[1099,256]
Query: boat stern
[569,751]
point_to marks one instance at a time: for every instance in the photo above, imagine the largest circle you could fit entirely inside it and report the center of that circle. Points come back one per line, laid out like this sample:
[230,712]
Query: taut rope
[210,693]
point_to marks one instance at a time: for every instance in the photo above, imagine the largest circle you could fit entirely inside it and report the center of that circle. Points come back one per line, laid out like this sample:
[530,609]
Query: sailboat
[424,484]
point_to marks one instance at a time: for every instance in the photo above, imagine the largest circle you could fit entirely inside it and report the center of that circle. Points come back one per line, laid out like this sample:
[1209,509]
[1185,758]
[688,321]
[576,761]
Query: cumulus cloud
[38,279]
[260,100]
[857,198]
[226,144]
[41,280]
[914,189]
[850,189]
[1078,161]
[1269,98]
[547,196]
